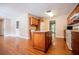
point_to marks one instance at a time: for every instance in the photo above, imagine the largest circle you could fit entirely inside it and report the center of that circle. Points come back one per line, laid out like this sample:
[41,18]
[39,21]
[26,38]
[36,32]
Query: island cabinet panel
[41,40]
[75,42]
[38,40]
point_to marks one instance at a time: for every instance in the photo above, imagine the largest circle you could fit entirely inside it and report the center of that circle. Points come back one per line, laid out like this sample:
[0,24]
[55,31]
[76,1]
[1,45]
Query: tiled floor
[19,46]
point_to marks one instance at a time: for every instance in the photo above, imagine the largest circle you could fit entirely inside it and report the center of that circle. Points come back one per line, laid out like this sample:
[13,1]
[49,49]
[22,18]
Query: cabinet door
[39,41]
[34,21]
[75,42]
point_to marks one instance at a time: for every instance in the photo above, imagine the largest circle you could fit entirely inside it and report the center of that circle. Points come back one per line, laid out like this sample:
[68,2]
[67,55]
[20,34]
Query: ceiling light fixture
[49,13]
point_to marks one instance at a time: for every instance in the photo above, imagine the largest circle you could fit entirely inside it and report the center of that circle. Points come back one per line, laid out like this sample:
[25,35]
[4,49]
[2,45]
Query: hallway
[19,46]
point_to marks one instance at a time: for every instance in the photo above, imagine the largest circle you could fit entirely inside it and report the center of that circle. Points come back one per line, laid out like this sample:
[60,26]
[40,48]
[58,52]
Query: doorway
[17,29]
[53,28]
[1,27]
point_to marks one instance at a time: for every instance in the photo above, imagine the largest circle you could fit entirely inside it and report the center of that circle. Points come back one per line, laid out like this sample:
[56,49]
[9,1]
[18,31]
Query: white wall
[42,26]
[9,27]
[24,26]
[61,23]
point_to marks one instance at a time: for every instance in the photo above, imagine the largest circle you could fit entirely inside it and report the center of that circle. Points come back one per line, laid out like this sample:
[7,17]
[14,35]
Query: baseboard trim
[17,36]
[24,37]
[60,37]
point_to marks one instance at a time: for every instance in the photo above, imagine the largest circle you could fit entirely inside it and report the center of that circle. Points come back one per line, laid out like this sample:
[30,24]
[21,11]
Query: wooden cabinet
[34,21]
[75,42]
[41,40]
[76,10]
[34,24]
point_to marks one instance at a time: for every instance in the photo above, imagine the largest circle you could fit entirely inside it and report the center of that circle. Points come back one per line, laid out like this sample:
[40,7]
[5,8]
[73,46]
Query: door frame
[50,23]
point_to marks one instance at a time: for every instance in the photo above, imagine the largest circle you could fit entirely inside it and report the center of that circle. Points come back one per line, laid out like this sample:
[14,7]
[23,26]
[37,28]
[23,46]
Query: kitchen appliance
[68,39]
[74,27]
[68,36]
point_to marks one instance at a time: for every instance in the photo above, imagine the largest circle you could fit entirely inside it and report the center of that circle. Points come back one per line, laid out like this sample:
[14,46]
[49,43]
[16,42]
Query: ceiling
[37,9]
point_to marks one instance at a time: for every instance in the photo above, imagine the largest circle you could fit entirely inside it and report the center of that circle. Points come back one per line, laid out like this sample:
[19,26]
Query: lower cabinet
[42,40]
[75,43]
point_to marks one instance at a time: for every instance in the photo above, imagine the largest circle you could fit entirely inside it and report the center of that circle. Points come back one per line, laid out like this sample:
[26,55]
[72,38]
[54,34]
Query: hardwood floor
[19,46]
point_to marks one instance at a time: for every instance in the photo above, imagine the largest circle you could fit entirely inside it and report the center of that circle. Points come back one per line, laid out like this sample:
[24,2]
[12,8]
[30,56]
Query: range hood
[75,17]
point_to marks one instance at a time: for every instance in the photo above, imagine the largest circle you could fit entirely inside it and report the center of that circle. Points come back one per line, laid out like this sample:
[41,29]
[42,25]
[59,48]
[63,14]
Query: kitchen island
[42,40]
[75,42]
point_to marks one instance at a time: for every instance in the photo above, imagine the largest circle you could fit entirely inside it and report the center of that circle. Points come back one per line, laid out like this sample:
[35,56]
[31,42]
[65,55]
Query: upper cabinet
[75,11]
[34,21]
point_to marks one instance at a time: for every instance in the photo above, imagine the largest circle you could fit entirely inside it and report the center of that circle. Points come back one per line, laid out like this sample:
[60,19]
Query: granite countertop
[75,31]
